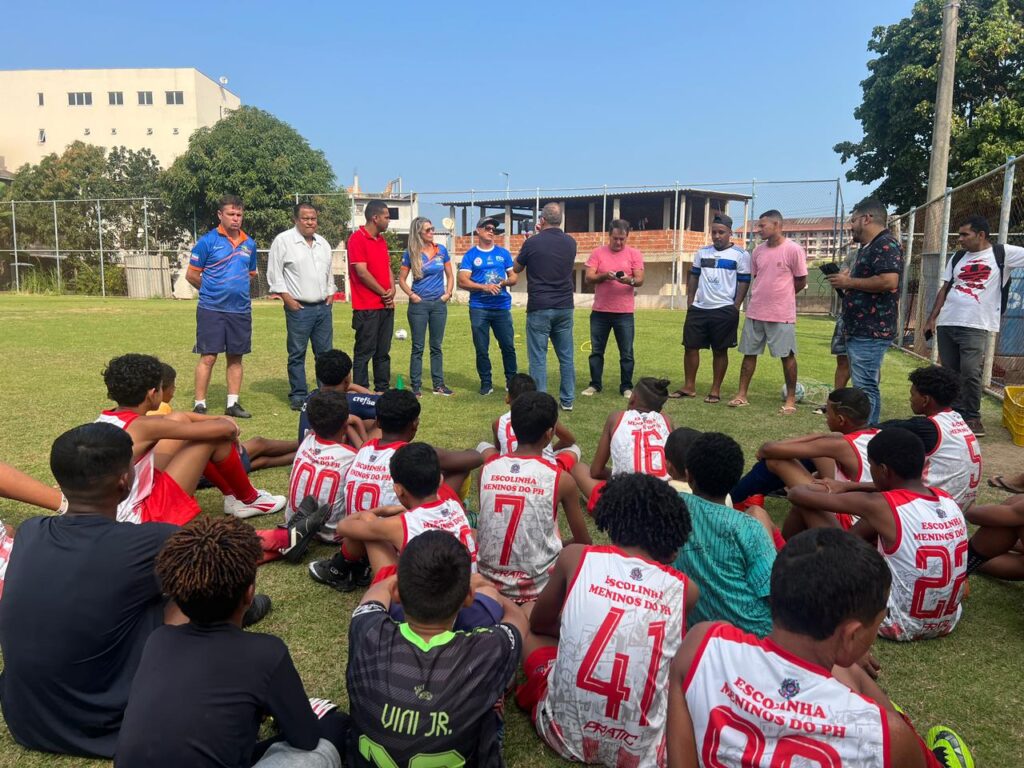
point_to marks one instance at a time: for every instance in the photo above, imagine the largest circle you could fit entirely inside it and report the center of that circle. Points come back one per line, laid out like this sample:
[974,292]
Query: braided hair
[208,565]
[642,511]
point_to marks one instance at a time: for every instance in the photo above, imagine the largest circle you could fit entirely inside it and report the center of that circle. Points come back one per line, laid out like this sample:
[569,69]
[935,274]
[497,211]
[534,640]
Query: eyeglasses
[427,229]
[488,228]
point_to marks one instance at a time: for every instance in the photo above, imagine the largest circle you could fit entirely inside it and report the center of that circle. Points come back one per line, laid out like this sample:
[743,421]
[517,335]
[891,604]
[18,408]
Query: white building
[402,207]
[42,111]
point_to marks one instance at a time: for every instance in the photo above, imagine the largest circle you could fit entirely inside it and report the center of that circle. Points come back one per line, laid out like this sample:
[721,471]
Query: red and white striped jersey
[517,530]
[754,704]
[954,465]
[368,483]
[507,442]
[859,442]
[638,443]
[129,510]
[622,622]
[319,469]
[442,515]
[928,564]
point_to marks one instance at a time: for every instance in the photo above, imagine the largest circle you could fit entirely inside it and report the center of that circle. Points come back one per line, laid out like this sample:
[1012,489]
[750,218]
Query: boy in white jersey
[563,451]
[605,628]
[172,452]
[369,485]
[920,532]
[797,697]
[633,440]
[517,528]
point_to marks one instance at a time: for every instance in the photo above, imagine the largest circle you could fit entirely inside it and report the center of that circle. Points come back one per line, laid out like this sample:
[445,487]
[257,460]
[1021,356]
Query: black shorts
[217,332]
[711,328]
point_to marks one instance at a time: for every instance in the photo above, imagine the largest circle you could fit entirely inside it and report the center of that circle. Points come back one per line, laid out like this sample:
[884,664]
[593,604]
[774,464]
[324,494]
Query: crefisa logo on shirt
[789,688]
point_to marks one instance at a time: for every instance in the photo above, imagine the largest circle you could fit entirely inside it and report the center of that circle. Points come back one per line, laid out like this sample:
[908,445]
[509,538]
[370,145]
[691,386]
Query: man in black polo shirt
[870,298]
[548,258]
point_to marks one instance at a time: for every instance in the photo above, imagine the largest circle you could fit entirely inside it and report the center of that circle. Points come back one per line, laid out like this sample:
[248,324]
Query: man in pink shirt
[373,298]
[779,269]
[614,270]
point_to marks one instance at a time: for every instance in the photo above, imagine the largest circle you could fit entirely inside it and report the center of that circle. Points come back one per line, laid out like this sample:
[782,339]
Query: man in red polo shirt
[373,298]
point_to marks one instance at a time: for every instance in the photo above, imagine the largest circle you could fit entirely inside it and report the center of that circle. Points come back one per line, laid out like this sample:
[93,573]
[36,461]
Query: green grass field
[53,350]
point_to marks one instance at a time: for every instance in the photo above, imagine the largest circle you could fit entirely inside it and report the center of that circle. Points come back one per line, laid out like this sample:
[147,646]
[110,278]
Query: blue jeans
[866,357]
[601,324]
[483,321]
[311,323]
[433,314]
[554,324]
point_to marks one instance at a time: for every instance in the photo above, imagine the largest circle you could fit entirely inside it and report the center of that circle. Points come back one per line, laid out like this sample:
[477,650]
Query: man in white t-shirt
[715,289]
[968,308]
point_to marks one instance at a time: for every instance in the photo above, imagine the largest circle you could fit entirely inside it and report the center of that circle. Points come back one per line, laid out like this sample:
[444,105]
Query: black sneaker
[361,574]
[237,411]
[201,409]
[307,521]
[976,427]
[335,573]
[295,403]
[257,611]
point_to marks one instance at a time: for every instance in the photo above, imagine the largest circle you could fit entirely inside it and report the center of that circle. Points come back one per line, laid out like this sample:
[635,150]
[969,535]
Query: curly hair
[332,367]
[940,384]
[520,383]
[396,410]
[643,511]
[208,565]
[129,377]
[327,412]
[715,463]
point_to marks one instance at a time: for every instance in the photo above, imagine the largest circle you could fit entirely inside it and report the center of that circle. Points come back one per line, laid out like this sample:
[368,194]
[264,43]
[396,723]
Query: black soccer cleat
[236,411]
[307,521]
[335,573]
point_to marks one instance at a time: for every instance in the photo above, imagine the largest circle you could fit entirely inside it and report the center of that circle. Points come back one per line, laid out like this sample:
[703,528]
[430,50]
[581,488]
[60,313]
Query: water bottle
[400,382]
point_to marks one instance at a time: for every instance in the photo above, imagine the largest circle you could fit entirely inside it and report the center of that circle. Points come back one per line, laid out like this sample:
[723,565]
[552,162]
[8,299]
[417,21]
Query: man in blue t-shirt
[485,271]
[223,264]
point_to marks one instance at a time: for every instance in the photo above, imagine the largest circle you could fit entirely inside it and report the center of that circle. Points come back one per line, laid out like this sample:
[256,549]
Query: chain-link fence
[929,235]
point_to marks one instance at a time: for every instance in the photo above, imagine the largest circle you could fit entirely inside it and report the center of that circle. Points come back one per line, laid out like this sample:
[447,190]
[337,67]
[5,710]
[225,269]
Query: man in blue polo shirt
[485,271]
[223,264]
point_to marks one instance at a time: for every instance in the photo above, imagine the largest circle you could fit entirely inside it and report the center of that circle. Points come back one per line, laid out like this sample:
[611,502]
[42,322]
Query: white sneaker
[589,392]
[264,504]
[627,394]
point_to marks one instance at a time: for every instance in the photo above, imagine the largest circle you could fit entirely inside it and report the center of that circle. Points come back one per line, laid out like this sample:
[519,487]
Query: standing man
[715,289]
[870,298]
[373,298]
[222,266]
[299,272]
[549,257]
[779,269]
[614,270]
[485,271]
[969,308]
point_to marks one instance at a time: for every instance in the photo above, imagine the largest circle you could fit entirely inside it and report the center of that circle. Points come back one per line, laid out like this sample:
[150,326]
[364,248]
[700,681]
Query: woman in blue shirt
[432,285]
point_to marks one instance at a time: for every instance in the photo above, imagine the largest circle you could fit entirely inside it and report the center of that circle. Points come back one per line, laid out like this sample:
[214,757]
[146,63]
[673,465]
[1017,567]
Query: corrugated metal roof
[548,195]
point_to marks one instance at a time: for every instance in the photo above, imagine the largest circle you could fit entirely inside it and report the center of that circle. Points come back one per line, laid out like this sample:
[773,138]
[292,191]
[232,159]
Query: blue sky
[447,95]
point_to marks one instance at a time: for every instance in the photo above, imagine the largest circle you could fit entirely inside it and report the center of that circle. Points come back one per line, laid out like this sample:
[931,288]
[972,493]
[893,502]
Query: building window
[149,131]
[175,131]
[175,97]
[146,98]
[393,213]
[113,131]
[115,98]
[40,97]
[79,99]
[87,131]
[42,135]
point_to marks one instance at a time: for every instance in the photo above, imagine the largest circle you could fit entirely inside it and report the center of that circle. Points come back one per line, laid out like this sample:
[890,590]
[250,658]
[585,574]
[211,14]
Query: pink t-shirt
[611,295]
[773,295]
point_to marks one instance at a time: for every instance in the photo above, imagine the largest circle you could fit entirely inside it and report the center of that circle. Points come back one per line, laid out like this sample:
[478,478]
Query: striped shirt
[718,274]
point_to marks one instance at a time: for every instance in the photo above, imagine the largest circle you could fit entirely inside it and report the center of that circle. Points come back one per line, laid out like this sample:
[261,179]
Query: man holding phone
[614,270]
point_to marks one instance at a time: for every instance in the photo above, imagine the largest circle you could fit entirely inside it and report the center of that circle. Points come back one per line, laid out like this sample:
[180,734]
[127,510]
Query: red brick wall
[648,241]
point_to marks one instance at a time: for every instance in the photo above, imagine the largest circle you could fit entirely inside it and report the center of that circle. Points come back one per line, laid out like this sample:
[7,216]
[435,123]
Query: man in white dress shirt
[299,272]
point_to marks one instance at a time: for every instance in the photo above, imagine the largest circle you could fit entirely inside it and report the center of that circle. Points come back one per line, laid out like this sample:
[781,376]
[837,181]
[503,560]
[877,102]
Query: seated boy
[828,598]
[517,528]
[203,688]
[605,628]
[417,689]
[80,599]
[369,485]
[995,547]
[729,553]
[920,531]
[563,451]
[334,373]
[172,452]
[633,440]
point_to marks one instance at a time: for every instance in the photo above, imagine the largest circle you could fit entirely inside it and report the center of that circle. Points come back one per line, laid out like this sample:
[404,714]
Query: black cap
[724,219]
[491,220]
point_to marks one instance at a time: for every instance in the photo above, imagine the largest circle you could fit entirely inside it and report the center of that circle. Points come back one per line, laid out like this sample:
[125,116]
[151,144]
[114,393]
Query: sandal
[738,402]
[998,482]
[680,394]
[787,410]
[712,399]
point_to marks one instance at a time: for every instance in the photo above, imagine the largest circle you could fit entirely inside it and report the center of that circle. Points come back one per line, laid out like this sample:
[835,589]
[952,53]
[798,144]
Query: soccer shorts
[780,337]
[711,328]
[537,667]
[594,496]
[217,332]
[167,503]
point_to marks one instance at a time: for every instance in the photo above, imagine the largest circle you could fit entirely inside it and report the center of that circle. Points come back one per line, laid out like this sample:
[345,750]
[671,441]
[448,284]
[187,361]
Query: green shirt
[730,556]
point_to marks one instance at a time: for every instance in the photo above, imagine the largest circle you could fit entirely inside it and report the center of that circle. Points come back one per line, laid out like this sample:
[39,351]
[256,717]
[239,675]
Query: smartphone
[830,268]
[620,274]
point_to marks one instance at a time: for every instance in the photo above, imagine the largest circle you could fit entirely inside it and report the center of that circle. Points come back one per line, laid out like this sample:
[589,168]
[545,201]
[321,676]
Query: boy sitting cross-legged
[562,451]
[605,628]
[420,693]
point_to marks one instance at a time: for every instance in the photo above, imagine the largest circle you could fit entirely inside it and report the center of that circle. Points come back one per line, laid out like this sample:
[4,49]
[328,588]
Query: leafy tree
[265,161]
[899,98]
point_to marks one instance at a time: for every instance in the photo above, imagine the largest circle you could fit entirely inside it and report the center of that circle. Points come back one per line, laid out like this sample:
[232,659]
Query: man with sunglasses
[485,271]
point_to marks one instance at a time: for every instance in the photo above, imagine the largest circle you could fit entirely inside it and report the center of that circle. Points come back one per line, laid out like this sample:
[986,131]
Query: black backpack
[1000,253]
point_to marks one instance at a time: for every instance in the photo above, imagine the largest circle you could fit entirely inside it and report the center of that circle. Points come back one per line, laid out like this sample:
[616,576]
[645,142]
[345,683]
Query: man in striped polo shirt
[715,290]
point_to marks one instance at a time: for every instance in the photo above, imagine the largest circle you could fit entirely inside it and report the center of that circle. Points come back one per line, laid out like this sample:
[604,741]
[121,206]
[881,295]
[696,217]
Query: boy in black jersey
[417,688]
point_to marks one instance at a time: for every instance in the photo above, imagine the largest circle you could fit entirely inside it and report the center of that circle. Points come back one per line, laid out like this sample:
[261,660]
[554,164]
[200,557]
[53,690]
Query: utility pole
[938,169]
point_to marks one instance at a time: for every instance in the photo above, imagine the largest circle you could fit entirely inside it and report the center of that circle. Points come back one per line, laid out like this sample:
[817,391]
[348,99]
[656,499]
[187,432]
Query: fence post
[56,245]
[145,232]
[99,229]
[908,256]
[536,211]
[14,234]
[472,205]
[1004,230]
[943,251]
[675,245]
